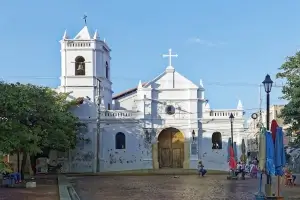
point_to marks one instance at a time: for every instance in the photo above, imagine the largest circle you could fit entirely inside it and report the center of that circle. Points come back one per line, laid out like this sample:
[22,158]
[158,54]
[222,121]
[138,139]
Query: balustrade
[226,113]
[117,114]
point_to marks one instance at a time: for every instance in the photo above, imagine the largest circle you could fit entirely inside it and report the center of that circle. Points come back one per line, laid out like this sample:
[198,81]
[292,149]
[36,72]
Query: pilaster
[155,156]
[186,161]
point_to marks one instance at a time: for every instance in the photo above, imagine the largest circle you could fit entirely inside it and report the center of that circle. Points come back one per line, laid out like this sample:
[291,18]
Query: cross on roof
[170,56]
[84,18]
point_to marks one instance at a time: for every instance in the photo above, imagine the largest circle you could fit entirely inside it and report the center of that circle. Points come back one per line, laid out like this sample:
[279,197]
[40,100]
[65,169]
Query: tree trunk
[29,166]
[33,159]
[18,161]
[23,164]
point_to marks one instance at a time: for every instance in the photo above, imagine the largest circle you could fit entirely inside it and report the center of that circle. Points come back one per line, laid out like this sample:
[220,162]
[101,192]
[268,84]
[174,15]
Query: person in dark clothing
[201,169]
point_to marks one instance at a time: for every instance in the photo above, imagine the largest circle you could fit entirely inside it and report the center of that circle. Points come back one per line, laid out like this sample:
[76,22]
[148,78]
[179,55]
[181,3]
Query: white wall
[216,159]
[136,155]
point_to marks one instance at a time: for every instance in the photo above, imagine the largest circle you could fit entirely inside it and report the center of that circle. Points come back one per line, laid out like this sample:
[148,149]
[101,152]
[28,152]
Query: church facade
[163,123]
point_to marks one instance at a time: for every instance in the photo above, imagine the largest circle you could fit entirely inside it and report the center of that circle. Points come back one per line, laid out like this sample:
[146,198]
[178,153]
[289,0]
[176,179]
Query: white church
[163,123]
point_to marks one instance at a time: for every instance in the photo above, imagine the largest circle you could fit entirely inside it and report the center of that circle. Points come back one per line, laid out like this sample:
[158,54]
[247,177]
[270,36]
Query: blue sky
[231,45]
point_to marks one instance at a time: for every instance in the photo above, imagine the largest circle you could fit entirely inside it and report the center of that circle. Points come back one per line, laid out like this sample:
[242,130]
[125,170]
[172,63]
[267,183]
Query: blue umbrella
[279,156]
[279,153]
[270,168]
[235,151]
[228,149]
[262,157]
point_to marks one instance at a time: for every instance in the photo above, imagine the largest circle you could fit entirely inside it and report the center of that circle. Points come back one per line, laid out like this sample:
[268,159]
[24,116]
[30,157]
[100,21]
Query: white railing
[225,113]
[118,114]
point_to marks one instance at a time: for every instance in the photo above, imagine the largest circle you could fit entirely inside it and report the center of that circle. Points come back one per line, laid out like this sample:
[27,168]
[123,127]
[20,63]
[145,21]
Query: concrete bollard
[31,184]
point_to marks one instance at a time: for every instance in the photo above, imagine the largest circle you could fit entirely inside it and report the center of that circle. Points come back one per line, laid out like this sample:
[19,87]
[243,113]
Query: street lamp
[193,135]
[231,119]
[268,86]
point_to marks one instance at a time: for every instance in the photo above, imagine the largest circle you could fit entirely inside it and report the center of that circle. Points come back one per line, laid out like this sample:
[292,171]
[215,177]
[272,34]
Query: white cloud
[208,43]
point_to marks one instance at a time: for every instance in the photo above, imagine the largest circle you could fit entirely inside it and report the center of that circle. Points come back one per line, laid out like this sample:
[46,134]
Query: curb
[146,173]
[66,190]
[143,173]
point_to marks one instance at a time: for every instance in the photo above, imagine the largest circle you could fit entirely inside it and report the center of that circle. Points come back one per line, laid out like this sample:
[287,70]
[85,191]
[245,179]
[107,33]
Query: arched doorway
[171,148]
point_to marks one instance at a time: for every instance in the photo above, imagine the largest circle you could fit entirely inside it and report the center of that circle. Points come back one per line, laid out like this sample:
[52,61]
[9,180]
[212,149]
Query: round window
[254,116]
[170,110]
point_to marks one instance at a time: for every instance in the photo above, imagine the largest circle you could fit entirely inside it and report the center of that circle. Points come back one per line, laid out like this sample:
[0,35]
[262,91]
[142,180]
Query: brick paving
[188,187]
[46,190]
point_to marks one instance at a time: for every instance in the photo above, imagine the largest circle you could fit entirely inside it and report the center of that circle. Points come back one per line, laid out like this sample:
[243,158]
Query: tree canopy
[290,72]
[34,118]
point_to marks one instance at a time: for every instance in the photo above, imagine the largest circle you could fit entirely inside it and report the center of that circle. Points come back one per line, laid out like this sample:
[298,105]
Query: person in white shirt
[238,168]
[243,168]
[251,166]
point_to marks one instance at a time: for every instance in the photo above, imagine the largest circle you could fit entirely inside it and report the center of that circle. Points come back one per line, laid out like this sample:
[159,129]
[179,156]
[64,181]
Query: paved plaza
[189,187]
[46,190]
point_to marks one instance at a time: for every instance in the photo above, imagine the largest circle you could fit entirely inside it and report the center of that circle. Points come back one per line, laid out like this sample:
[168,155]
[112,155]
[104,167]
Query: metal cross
[170,56]
[84,18]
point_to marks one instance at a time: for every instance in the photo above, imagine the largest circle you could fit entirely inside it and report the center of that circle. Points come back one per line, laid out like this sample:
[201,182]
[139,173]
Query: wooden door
[177,149]
[165,141]
[165,157]
[171,145]
[176,158]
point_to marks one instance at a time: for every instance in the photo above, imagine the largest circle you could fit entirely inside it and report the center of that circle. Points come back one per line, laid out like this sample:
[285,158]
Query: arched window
[120,141]
[79,65]
[106,70]
[216,140]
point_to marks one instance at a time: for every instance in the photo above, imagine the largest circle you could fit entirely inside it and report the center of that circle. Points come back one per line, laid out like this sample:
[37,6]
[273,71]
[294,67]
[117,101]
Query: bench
[8,181]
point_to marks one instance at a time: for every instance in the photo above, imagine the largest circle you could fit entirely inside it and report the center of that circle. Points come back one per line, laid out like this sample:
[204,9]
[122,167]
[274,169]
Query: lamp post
[231,118]
[193,135]
[98,126]
[268,86]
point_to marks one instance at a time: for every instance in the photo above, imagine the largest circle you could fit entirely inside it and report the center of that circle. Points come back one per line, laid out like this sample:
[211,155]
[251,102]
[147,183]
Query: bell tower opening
[79,65]
[106,70]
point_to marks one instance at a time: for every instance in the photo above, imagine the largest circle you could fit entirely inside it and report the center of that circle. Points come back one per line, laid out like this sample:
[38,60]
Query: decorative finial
[65,35]
[201,83]
[140,85]
[240,105]
[96,36]
[207,106]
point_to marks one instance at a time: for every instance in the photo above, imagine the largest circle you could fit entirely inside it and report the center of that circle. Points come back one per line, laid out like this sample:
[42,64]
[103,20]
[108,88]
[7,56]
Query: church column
[187,147]
[155,162]
[199,141]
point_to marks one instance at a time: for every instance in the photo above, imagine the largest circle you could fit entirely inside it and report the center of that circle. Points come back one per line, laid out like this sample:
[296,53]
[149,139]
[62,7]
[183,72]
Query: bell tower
[85,61]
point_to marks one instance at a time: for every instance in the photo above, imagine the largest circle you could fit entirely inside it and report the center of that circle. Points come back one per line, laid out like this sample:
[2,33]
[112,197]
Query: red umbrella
[274,126]
[232,161]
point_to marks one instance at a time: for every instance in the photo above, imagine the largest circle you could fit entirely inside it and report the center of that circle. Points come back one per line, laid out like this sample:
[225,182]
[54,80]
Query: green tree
[290,72]
[35,120]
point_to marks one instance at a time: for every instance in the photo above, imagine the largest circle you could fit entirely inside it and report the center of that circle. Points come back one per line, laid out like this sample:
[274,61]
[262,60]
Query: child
[253,170]
[201,169]
[289,176]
